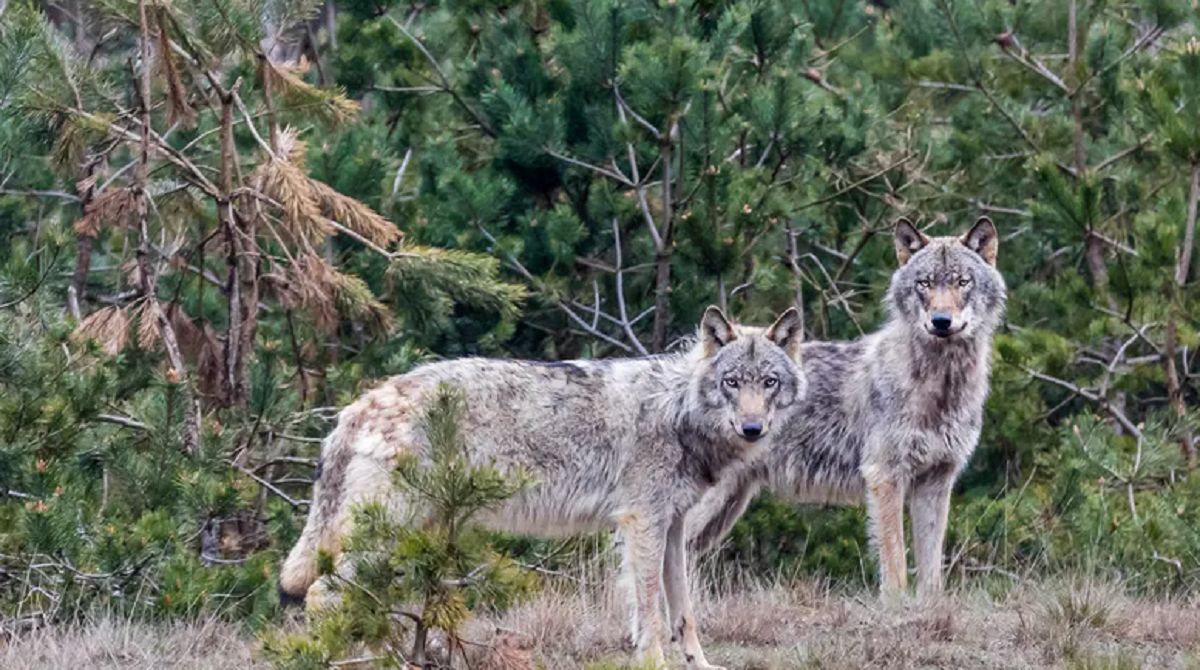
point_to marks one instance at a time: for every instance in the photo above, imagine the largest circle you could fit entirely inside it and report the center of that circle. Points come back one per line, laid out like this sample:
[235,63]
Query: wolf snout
[752,430]
[941,322]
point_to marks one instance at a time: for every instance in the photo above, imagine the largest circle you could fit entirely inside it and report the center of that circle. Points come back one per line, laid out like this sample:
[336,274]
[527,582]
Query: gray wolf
[893,415]
[625,443]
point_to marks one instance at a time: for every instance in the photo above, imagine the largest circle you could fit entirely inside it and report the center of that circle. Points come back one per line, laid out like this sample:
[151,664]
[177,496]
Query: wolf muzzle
[752,430]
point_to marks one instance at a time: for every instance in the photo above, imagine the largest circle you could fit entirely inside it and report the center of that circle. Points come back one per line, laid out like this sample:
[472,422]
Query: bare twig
[1087,394]
[400,172]
[562,304]
[444,80]
[625,325]
[296,504]
[1122,154]
[59,195]
[122,421]
[1022,57]
[623,107]
[589,166]
[853,185]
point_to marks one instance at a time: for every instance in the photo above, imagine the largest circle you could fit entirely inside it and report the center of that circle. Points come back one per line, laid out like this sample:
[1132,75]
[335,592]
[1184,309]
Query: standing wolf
[632,443]
[893,415]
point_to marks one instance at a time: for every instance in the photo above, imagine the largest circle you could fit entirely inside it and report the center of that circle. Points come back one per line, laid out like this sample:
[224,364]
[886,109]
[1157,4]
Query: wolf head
[747,376]
[947,287]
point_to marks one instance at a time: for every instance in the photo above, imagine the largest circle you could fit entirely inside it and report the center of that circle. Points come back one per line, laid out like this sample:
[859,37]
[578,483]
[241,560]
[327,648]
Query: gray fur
[628,443]
[895,414]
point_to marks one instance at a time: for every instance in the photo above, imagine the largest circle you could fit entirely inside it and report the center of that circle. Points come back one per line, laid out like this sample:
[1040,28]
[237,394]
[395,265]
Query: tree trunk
[1175,387]
[230,393]
[662,300]
[662,255]
[248,293]
[84,243]
[420,636]
[1094,247]
[177,374]
[1093,253]
[793,255]
[83,267]
[242,262]
[1189,230]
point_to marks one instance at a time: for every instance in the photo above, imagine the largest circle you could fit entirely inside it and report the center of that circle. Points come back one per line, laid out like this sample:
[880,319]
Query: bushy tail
[299,570]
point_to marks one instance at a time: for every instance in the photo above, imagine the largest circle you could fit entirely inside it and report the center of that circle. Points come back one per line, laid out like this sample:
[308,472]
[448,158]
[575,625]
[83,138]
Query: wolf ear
[983,240]
[715,330]
[909,240]
[788,332]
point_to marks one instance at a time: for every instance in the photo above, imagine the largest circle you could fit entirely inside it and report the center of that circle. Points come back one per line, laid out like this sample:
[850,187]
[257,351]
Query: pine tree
[173,179]
[411,579]
[632,162]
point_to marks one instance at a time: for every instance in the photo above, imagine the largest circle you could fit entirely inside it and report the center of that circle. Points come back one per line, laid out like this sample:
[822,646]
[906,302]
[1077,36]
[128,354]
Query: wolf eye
[923,283]
[730,382]
[770,381]
[965,281]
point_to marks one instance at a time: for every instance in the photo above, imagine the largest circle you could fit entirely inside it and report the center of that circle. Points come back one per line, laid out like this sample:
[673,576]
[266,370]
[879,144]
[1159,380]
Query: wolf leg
[930,508]
[626,588]
[325,592]
[885,506]
[645,538]
[679,600]
[710,520]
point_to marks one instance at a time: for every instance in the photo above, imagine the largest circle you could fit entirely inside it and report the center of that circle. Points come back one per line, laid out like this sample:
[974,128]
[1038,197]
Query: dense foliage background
[223,219]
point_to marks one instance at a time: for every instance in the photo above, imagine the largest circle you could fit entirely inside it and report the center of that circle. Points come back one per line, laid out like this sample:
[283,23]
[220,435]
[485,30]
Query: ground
[1065,623]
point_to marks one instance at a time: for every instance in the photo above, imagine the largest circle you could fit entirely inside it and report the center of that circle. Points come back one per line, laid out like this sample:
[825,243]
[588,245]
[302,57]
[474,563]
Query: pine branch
[446,86]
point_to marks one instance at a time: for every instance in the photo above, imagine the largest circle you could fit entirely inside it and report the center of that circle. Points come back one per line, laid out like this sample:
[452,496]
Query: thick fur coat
[892,416]
[628,443]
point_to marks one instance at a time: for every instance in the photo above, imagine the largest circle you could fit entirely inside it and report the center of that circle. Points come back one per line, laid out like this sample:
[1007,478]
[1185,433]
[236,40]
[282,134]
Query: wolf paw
[701,664]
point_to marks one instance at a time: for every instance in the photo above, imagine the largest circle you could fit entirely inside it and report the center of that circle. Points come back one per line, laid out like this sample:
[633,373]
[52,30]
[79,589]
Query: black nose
[752,430]
[941,321]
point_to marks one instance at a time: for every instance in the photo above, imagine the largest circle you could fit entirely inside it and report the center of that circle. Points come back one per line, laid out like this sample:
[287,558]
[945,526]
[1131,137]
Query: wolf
[894,415]
[625,443]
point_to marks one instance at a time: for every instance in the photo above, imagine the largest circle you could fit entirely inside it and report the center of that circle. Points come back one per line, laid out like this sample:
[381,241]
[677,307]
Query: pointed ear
[788,332]
[909,240]
[715,330]
[983,240]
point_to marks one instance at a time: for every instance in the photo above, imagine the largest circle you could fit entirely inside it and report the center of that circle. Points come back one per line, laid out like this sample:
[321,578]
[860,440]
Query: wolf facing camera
[892,416]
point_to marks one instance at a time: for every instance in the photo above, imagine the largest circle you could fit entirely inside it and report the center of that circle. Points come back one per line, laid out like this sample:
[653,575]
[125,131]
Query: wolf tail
[300,570]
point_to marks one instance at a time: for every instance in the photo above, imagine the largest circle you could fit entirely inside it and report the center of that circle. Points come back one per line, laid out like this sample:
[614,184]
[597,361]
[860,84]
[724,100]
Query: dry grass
[806,624]
[113,642]
[579,625]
